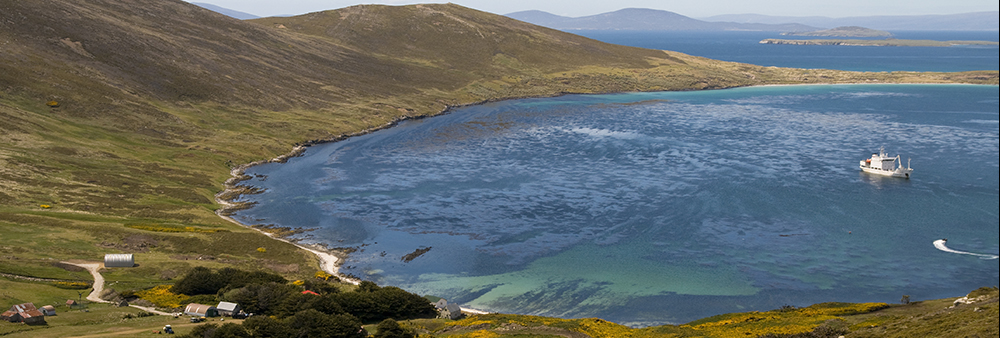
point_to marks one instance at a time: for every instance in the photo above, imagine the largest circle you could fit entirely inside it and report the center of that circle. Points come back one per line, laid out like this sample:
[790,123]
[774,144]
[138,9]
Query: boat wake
[939,244]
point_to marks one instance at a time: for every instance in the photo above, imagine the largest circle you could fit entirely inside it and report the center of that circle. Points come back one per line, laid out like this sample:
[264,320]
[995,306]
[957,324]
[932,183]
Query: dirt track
[95,296]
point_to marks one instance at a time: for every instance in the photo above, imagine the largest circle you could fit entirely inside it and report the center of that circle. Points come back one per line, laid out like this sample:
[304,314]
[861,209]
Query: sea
[666,207]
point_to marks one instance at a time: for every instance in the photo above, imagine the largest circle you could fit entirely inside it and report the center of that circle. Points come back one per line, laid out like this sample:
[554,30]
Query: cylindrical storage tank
[119,261]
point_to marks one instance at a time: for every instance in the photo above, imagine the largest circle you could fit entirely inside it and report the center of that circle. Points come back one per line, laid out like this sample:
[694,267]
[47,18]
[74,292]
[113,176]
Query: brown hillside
[170,50]
[452,37]
[120,119]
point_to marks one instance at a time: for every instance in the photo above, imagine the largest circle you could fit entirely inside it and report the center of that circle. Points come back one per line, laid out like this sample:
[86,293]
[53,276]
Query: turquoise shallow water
[652,208]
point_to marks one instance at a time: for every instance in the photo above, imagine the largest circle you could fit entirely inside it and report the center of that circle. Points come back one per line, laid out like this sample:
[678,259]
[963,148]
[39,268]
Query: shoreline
[330,260]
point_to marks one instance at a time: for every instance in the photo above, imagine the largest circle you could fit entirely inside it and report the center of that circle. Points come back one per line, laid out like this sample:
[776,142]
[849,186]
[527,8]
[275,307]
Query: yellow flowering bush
[323,275]
[496,319]
[170,228]
[785,321]
[481,334]
[161,296]
[600,328]
[71,285]
[44,206]
[841,309]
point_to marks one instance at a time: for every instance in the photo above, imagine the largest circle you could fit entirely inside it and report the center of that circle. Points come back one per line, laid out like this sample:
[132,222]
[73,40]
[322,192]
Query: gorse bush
[161,296]
[71,285]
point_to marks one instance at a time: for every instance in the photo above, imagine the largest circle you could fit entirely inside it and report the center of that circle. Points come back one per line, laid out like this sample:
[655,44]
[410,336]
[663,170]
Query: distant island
[885,42]
[845,31]
[975,21]
[644,19]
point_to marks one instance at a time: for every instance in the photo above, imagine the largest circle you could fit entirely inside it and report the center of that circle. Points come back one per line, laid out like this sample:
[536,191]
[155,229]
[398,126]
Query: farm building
[25,313]
[48,310]
[119,261]
[32,317]
[228,309]
[10,316]
[454,311]
[201,310]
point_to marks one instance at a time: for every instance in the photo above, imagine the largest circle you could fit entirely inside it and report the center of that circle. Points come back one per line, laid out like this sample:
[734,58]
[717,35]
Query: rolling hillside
[121,119]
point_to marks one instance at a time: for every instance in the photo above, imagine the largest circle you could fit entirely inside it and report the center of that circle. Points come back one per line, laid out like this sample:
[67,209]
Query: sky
[691,8]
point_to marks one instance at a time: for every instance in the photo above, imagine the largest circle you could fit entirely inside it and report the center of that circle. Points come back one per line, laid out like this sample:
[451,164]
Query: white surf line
[939,244]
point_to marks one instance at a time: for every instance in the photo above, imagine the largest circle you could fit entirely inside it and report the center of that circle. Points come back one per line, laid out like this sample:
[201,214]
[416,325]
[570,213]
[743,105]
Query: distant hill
[226,11]
[977,21]
[640,19]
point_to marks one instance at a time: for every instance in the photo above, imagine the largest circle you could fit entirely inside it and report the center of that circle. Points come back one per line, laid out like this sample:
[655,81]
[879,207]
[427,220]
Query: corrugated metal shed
[25,313]
[23,307]
[201,310]
[48,310]
[10,316]
[119,261]
[32,317]
[227,308]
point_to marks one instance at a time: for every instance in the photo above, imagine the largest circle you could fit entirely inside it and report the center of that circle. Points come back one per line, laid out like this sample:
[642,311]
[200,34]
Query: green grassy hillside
[121,119]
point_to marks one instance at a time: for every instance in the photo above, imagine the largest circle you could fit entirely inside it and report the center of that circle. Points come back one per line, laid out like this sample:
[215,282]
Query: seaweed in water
[413,255]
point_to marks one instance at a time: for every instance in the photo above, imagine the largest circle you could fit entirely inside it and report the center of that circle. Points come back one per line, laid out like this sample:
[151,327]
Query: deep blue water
[653,208]
[745,47]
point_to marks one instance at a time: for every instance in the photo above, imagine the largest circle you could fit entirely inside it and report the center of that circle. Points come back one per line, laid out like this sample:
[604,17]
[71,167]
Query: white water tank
[119,261]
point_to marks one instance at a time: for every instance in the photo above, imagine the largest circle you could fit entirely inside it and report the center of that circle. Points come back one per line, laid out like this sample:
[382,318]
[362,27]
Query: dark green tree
[367,286]
[321,287]
[389,328]
[297,302]
[264,326]
[397,303]
[202,331]
[199,281]
[312,323]
[231,330]
[260,299]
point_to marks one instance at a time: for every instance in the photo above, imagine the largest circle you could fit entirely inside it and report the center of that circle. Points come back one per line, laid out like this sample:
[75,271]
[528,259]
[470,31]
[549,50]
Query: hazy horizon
[700,9]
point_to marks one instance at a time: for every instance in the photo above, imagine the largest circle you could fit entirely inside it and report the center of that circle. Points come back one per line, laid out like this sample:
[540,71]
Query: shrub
[389,328]
[260,298]
[199,281]
[264,326]
[71,285]
[203,281]
[312,323]
[161,296]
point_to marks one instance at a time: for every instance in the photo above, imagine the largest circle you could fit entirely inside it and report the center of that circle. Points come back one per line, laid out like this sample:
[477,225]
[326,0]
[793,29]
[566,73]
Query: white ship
[882,164]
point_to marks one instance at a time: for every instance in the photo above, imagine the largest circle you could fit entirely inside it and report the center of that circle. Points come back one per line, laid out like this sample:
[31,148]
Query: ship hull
[891,173]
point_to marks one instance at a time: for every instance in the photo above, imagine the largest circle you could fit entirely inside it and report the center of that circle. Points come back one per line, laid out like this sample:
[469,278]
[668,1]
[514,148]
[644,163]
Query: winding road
[95,296]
